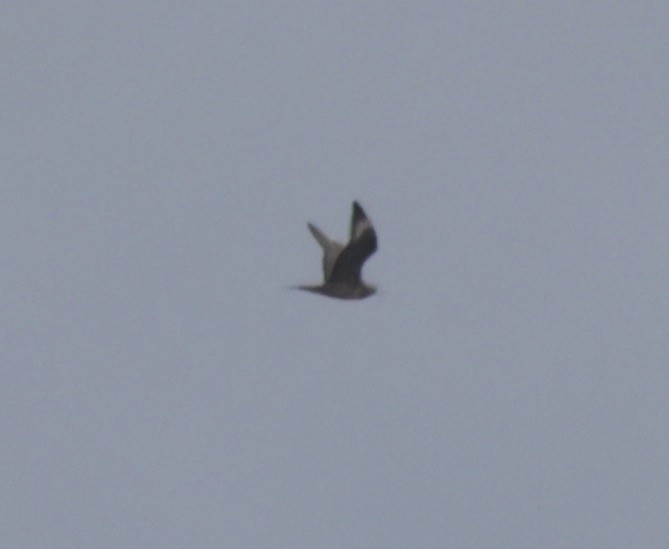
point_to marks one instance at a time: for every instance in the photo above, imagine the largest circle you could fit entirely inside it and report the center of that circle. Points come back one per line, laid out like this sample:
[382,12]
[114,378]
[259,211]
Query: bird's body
[342,265]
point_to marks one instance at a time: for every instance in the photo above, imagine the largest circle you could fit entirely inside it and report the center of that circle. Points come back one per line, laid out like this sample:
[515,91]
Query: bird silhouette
[342,265]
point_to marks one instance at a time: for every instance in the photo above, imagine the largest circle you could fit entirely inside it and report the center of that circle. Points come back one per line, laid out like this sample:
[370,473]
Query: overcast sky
[162,387]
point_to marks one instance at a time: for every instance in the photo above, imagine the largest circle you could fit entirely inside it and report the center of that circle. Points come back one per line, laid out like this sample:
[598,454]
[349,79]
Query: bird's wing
[359,221]
[348,265]
[331,250]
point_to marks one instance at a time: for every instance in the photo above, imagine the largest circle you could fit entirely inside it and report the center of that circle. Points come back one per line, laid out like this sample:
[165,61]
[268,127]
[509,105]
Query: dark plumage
[342,265]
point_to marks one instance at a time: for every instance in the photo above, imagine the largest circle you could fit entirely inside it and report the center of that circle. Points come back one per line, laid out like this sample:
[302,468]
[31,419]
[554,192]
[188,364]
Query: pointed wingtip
[358,212]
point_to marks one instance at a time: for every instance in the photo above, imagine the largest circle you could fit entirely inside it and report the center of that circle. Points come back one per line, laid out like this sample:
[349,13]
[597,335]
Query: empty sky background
[161,386]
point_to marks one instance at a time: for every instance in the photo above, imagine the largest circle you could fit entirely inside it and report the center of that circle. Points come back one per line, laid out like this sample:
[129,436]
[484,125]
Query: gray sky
[162,388]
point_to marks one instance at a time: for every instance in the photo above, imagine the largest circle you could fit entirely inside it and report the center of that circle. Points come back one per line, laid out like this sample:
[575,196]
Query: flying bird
[342,265]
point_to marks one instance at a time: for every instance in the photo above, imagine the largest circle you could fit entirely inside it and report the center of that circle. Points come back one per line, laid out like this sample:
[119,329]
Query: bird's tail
[313,289]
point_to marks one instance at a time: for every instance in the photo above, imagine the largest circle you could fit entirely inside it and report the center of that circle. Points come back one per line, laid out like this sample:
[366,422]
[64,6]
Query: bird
[342,265]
